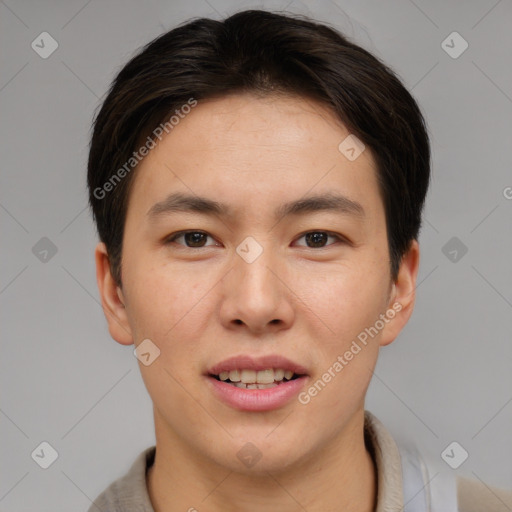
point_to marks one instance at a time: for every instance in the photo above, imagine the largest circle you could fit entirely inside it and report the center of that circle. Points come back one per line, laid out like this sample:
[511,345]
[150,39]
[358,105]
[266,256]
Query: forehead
[252,151]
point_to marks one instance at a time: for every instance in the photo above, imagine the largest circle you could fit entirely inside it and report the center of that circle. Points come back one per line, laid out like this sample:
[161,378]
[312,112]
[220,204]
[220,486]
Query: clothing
[404,482]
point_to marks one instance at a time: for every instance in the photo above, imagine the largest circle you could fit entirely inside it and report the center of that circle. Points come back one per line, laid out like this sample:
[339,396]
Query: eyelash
[179,234]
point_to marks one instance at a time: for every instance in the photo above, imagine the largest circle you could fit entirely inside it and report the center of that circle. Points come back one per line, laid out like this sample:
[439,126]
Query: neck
[341,475]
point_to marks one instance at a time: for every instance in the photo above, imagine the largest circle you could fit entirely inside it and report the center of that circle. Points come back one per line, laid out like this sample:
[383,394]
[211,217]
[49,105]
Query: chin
[268,463]
[261,454]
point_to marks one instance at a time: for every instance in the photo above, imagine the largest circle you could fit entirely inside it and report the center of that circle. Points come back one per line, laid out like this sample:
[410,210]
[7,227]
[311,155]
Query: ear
[112,299]
[403,294]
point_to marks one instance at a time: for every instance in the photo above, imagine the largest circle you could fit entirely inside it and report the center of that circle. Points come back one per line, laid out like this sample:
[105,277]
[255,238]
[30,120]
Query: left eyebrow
[179,202]
[328,202]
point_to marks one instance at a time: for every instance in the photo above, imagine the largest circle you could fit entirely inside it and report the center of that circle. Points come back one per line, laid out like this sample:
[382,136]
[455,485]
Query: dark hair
[263,53]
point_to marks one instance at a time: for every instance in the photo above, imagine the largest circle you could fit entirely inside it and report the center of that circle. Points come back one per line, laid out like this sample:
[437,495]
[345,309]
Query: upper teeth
[256,377]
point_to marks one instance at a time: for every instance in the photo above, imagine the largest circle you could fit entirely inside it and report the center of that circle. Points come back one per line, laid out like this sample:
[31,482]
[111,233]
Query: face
[251,243]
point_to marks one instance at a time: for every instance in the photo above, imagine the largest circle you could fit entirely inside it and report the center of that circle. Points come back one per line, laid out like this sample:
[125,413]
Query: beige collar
[386,457]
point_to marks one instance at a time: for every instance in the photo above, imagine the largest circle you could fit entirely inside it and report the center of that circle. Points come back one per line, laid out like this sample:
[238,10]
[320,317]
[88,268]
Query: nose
[256,296]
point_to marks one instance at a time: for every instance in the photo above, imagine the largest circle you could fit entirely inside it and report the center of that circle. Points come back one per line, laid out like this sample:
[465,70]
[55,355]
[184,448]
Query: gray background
[65,381]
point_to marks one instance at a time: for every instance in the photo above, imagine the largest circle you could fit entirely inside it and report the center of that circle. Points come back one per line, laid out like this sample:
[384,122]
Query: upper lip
[247,362]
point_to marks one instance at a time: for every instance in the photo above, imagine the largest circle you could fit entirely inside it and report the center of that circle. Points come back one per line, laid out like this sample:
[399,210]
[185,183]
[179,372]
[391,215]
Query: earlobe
[112,299]
[403,294]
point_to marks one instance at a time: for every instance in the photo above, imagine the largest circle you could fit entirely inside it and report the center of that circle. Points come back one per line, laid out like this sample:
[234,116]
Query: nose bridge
[252,268]
[254,294]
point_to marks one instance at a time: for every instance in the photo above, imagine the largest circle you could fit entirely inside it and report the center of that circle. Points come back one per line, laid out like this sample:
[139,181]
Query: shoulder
[128,493]
[476,496]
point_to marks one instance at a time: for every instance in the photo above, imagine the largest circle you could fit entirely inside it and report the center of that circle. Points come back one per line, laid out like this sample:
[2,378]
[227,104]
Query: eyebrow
[179,202]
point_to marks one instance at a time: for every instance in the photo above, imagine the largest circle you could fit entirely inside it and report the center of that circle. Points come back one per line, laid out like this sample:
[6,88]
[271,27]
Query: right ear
[112,299]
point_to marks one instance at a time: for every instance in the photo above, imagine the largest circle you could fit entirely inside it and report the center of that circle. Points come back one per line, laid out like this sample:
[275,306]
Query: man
[258,185]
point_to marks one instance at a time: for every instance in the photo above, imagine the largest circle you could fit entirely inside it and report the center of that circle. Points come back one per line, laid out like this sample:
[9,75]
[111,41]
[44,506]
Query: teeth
[234,376]
[261,377]
[248,376]
[254,386]
[265,376]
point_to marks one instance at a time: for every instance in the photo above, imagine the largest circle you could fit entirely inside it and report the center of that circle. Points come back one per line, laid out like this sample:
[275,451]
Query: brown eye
[318,239]
[193,239]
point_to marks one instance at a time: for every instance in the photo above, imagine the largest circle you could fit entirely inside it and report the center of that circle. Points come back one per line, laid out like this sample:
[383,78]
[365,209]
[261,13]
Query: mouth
[252,379]
[256,384]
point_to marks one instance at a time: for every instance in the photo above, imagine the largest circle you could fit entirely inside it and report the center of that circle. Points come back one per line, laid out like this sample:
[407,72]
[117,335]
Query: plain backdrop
[66,382]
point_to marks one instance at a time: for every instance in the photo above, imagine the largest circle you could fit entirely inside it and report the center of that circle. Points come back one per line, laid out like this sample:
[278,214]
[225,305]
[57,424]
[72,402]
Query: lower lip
[257,399]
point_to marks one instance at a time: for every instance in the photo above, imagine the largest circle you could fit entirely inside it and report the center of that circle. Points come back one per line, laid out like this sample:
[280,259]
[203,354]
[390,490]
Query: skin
[201,305]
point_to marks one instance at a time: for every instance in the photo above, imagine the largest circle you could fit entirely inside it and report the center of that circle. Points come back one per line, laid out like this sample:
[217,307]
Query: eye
[318,239]
[192,239]
[197,239]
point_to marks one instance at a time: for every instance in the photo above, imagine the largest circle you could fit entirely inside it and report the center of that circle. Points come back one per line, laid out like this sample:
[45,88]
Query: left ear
[403,294]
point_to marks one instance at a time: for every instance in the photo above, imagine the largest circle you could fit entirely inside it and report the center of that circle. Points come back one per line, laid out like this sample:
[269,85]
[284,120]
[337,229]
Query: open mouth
[252,379]
[257,384]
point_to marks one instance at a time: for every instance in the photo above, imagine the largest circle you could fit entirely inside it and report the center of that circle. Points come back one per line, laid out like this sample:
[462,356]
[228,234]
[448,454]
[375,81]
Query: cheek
[345,297]
[351,303]
[167,305]
[346,354]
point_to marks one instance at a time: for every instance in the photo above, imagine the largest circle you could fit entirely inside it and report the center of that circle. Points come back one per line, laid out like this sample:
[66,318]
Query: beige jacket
[404,482]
